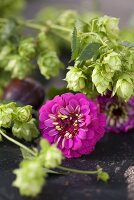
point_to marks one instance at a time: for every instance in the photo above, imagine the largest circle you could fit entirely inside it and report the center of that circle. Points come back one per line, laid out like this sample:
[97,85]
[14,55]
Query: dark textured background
[114,152]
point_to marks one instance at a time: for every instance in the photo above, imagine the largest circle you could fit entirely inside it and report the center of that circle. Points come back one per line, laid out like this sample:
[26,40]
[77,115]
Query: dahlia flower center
[117,113]
[68,124]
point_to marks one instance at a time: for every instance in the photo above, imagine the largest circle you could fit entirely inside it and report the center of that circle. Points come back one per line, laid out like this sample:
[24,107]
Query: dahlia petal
[82,134]
[88,120]
[49,138]
[69,108]
[79,96]
[73,103]
[49,123]
[66,98]
[41,125]
[68,143]
[77,143]
[64,111]
[55,108]
[52,132]
[90,134]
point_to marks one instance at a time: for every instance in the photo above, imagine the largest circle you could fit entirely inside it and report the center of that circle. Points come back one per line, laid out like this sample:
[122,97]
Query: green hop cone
[50,155]
[124,87]
[6,114]
[19,67]
[49,64]
[45,43]
[112,61]
[68,18]
[23,114]
[109,26]
[26,130]
[75,79]
[5,51]
[101,79]
[30,178]
[27,48]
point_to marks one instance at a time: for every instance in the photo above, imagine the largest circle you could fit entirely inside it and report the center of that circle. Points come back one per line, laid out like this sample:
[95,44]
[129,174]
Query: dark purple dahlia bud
[26,92]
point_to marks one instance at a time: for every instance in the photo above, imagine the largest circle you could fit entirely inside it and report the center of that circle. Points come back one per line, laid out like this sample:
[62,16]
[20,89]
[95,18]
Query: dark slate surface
[114,153]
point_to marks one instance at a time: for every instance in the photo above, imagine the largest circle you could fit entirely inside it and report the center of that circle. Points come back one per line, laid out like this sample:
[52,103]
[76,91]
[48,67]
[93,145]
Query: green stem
[17,143]
[33,25]
[79,171]
[46,28]
[58,27]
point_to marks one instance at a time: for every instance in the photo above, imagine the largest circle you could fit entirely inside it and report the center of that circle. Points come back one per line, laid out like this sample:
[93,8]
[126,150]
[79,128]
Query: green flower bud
[19,67]
[49,64]
[109,26]
[75,79]
[112,61]
[50,156]
[101,79]
[103,176]
[6,114]
[26,130]
[124,87]
[68,18]
[30,178]
[27,48]
[23,114]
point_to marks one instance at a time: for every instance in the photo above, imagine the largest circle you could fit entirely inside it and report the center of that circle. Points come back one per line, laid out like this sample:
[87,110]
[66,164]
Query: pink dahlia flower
[119,114]
[73,122]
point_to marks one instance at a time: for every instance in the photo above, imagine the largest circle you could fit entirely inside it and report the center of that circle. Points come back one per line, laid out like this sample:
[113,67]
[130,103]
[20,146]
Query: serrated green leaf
[128,44]
[26,155]
[75,45]
[89,51]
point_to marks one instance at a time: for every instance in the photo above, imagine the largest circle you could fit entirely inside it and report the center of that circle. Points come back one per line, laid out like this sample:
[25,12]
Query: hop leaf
[30,178]
[101,79]
[6,114]
[23,114]
[49,64]
[89,51]
[75,45]
[26,130]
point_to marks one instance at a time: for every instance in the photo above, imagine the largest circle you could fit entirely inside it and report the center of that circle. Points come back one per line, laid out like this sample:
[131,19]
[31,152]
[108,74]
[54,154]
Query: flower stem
[58,27]
[17,143]
[79,171]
